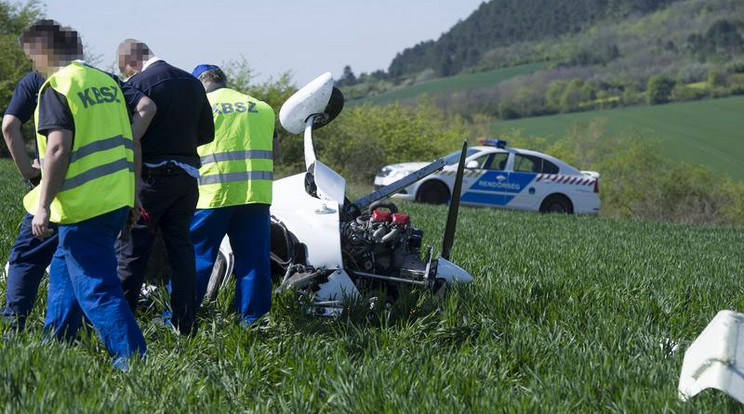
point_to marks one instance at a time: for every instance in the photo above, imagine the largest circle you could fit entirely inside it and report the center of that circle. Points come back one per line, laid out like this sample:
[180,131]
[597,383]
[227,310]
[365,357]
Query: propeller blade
[449,230]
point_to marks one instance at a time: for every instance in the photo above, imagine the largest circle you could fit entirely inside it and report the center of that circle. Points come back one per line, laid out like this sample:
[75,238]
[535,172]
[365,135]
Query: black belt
[169,168]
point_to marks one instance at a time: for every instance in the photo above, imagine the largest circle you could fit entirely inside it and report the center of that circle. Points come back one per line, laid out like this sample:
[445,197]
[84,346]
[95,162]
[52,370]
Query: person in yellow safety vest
[235,193]
[89,154]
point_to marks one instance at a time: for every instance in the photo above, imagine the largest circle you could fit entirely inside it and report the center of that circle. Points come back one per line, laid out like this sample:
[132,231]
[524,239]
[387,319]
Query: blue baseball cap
[203,68]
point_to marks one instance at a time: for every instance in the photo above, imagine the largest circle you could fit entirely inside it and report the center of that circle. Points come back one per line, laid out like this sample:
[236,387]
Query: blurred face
[129,68]
[45,58]
[39,54]
[128,65]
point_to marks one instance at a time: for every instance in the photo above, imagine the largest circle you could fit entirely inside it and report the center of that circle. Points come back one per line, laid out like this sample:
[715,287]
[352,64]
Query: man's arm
[14,141]
[141,111]
[56,161]
[21,109]
[141,118]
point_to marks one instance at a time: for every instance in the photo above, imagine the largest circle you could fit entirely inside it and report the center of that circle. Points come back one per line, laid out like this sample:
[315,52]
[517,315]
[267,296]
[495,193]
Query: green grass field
[451,84]
[709,132]
[566,314]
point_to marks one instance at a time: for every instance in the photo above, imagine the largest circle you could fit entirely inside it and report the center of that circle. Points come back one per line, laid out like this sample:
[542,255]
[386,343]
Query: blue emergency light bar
[493,142]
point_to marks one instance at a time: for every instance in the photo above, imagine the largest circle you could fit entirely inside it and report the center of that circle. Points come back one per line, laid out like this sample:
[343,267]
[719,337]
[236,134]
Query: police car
[500,176]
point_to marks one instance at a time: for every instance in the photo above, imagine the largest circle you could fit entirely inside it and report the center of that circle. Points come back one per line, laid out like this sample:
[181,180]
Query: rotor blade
[390,189]
[449,230]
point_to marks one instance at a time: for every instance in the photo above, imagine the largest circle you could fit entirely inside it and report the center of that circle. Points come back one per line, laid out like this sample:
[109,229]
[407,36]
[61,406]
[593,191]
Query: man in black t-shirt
[29,257]
[169,189]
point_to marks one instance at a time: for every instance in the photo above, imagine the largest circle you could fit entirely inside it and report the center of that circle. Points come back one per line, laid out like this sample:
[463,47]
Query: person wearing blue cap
[235,190]
[170,171]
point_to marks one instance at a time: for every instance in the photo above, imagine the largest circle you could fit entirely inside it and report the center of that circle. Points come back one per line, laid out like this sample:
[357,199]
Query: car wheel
[557,203]
[433,193]
[218,278]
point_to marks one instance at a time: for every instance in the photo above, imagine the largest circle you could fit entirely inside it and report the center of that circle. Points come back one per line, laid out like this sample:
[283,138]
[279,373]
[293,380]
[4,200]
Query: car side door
[521,187]
[485,188]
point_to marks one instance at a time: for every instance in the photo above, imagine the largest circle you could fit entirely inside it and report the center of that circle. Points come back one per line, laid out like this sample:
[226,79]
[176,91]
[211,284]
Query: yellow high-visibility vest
[238,166]
[100,176]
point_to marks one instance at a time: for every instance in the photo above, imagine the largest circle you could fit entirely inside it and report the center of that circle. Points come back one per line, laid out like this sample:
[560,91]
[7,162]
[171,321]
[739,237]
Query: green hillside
[452,84]
[707,132]
[500,22]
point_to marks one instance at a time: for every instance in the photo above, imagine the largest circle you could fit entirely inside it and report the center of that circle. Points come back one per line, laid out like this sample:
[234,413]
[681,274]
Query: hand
[32,174]
[35,178]
[135,212]
[40,224]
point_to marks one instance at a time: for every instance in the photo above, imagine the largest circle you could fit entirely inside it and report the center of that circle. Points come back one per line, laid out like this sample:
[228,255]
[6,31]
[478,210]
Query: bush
[685,93]
[576,92]
[507,110]
[735,67]
[737,84]
[554,94]
[717,77]
[631,96]
[659,89]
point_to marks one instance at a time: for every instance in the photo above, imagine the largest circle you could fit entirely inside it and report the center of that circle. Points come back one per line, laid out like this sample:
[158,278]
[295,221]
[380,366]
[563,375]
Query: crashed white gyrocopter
[323,245]
[329,248]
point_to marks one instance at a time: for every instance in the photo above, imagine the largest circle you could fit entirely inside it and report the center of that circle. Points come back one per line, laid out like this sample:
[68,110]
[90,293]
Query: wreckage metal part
[715,359]
[392,279]
[364,202]
[428,274]
[328,303]
[449,228]
[301,279]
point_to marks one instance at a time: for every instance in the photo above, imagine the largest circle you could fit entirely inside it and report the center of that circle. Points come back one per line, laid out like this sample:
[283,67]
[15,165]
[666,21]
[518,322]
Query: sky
[307,38]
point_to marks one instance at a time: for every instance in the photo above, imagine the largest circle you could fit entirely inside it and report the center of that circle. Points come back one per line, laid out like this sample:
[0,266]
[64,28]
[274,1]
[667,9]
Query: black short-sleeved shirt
[54,112]
[23,102]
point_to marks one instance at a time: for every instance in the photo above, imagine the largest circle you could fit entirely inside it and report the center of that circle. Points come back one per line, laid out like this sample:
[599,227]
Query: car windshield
[454,157]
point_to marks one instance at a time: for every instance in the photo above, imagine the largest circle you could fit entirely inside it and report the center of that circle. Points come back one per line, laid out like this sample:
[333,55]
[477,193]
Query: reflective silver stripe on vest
[101,145]
[238,155]
[97,172]
[233,177]
[97,146]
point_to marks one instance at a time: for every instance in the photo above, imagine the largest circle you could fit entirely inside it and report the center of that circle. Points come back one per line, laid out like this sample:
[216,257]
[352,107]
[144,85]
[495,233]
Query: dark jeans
[170,200]
[27,263]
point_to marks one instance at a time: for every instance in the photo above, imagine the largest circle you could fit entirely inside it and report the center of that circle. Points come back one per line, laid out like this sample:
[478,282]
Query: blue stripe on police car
[497,187]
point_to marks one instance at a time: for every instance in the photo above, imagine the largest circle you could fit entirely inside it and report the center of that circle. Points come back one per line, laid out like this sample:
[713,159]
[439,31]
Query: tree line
[500,22]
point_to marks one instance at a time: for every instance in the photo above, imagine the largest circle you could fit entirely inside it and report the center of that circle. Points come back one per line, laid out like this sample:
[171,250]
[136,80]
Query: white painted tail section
[716,358]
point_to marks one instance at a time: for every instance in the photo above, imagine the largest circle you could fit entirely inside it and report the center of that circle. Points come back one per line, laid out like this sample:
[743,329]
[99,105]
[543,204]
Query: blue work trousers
[83,280]
[29,257]
[249,229]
